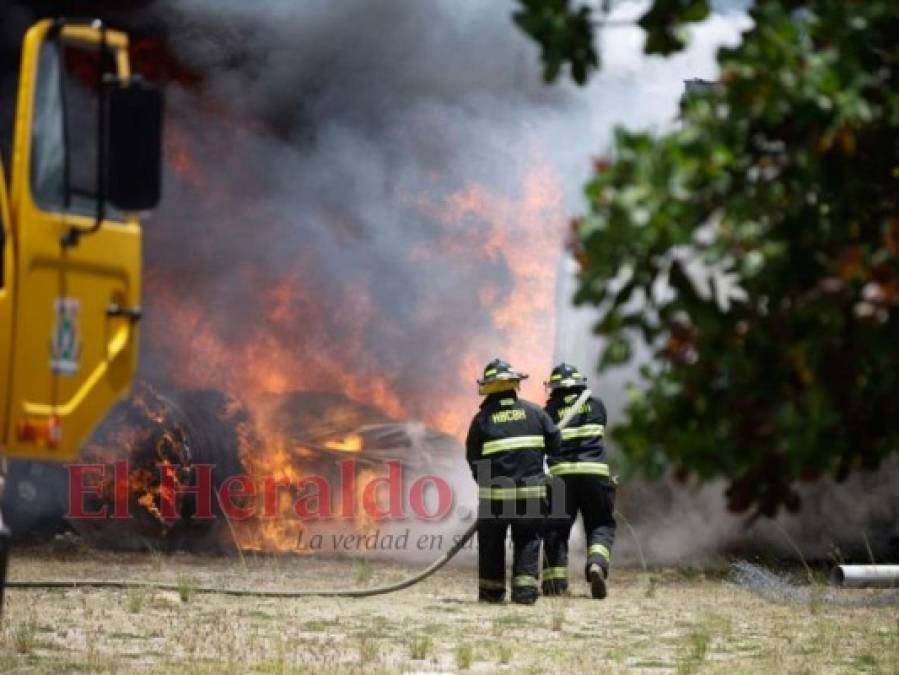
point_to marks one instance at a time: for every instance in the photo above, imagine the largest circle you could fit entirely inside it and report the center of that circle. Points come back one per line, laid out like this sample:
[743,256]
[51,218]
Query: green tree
[782,178]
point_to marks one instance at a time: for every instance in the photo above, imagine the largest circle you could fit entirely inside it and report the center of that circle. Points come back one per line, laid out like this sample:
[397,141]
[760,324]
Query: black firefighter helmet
[565,376]
[499,376]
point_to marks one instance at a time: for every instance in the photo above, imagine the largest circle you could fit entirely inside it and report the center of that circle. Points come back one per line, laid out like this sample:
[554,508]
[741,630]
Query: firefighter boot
[491,591]
[596,575]
[524,590]
[555,581]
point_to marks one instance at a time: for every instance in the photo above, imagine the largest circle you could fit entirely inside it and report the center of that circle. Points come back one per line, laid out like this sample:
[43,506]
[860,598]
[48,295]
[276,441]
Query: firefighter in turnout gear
[505,449]
[579,481]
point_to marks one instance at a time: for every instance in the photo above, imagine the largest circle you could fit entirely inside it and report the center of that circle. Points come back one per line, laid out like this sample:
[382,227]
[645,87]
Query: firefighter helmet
[565,376]
[499,376]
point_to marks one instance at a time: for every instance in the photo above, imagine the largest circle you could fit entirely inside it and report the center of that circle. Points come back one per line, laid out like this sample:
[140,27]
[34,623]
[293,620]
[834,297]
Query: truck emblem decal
[65,345]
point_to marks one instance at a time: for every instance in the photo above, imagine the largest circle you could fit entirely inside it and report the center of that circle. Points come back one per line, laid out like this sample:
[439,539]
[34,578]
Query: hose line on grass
[324,593]
[244,592]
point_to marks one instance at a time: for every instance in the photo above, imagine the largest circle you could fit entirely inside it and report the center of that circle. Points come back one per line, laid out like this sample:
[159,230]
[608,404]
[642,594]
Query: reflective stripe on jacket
[507,439]
[583,449]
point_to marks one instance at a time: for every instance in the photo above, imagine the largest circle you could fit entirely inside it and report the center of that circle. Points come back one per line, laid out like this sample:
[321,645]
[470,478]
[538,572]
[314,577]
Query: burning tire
[155,433]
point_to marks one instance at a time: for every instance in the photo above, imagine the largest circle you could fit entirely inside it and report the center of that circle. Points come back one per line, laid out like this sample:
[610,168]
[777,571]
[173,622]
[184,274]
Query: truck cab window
[47,145]
[65,140]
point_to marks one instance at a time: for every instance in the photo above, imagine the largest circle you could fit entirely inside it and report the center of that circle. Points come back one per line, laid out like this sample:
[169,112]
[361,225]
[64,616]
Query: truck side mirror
[133,144]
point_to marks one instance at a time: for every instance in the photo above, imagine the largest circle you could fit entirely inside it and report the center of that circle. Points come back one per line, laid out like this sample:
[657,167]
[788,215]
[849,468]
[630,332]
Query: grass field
[664,621]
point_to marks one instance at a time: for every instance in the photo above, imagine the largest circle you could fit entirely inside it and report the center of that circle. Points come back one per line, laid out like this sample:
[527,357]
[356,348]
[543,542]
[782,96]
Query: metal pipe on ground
[865,576]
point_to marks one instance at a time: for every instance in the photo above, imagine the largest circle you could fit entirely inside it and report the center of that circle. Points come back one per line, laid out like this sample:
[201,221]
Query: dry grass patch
[690,622]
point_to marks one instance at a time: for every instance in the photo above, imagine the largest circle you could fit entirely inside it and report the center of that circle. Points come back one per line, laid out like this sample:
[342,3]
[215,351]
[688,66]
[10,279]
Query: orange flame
[349,443]
[520,234]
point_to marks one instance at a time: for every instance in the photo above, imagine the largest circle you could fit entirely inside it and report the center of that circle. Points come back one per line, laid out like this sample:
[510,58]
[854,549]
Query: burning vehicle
[147,459]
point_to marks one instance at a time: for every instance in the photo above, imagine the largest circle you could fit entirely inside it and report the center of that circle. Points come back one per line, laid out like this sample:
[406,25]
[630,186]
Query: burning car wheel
[160,436]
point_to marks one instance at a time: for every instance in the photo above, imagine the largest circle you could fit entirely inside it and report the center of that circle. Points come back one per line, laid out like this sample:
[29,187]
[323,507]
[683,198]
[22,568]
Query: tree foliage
[565,32]
[755,250]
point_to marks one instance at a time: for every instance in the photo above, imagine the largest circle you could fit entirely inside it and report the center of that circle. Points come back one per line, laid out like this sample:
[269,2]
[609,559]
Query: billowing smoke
[688,523]
[392,175]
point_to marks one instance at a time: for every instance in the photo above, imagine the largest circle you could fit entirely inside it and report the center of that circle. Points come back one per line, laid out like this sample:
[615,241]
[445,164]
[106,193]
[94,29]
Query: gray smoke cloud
[689,523]
[357,114]
[351,129]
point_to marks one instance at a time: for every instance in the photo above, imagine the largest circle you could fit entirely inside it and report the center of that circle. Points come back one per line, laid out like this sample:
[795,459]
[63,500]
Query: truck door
[77,259]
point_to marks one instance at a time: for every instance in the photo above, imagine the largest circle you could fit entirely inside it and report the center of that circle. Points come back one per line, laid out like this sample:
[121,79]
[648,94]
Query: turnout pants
[594,497]
[495,518]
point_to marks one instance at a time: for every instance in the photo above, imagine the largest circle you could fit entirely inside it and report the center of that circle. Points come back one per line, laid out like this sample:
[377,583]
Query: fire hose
[324,593]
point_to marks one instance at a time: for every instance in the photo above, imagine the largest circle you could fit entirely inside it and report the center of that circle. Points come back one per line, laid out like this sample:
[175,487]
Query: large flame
[328,349]
[295,339]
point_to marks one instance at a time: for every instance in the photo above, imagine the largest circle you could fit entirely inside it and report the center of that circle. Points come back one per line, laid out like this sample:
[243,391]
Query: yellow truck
[85,163]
